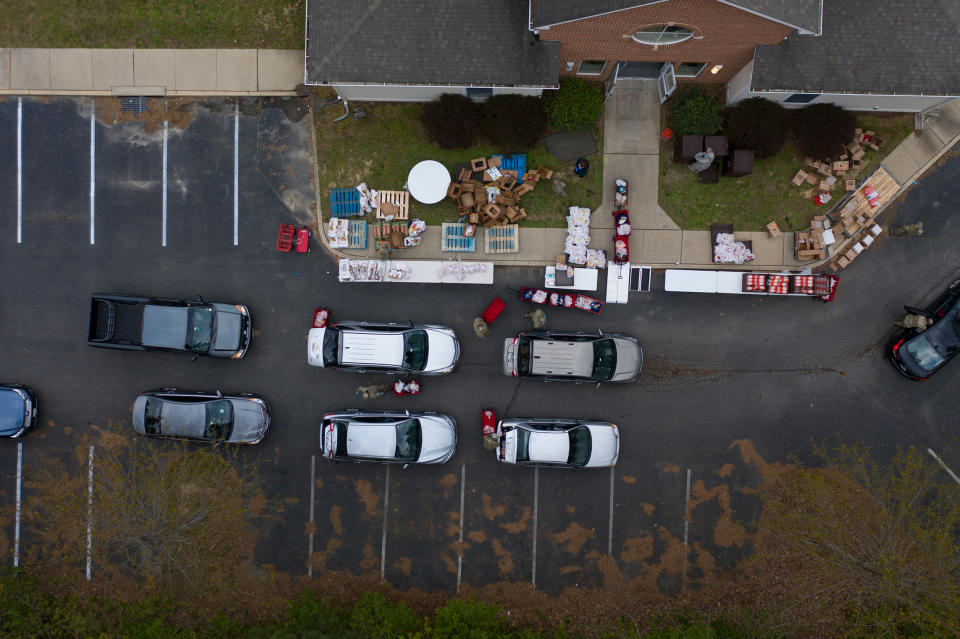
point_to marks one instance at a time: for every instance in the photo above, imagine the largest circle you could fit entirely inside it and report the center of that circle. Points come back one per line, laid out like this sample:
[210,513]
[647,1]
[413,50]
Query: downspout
[346,110]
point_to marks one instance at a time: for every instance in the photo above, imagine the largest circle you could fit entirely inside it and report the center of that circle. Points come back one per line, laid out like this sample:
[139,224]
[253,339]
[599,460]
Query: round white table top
[428,181]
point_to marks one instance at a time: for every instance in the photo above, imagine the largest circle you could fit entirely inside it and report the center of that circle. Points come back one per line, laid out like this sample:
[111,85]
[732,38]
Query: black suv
[919,354]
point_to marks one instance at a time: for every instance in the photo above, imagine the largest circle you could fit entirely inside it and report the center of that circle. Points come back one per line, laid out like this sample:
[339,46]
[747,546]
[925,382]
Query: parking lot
[729,385]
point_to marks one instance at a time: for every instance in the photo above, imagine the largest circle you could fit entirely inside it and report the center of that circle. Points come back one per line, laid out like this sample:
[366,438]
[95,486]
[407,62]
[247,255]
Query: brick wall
[728,37]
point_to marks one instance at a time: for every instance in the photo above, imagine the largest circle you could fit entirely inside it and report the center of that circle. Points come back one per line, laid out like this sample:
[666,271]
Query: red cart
[290,238]
[563,300]
[621,238]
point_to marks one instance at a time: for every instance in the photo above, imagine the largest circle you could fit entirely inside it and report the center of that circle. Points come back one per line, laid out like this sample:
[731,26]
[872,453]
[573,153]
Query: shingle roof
[428,42]
[803,14]
[869,46]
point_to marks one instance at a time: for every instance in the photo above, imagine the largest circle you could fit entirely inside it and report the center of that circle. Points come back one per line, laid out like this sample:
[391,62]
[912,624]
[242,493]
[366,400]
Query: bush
[757,124]
[468,619]
[695,113]
[452,121]
[374,617]
[822,130]
[513,122]
[576,106]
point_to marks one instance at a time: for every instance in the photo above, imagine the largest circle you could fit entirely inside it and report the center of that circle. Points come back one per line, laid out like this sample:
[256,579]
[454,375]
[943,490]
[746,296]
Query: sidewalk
[150,72]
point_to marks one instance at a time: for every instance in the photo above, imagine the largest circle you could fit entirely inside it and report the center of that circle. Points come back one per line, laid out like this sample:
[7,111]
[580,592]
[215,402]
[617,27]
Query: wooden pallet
[400,198]
[345,203]
[502,239]
[357,234]
[453,240]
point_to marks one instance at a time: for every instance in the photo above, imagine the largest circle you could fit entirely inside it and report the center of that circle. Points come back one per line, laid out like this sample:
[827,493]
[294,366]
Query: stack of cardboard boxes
[494,199]
[809,245]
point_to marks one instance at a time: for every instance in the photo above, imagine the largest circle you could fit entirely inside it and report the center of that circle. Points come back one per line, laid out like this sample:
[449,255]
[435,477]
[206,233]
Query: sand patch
[648,508]
[447,482]
[365,492]
[520,525]
[504,559]
[629,479]
[489,510]
[637,549]
[403,564]
[335,520]
[573,538]
[725,471]
[477,536]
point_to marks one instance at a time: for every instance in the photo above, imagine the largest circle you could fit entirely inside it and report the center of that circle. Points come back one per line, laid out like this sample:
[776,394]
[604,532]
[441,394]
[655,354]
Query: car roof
[562,358]
[549,446]
[186,419]
[371,347]
[371,440]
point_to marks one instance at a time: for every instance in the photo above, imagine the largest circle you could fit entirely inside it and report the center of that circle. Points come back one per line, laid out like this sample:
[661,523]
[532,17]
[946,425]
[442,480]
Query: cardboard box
[812,179]
[464,175]
[825,186]
[531,178]
[849,185]
[474,218]
[773,229]
[454,190]
[520,189]
[493,163]
[809,255]
[813,164]
[799,178]
[857,164]
[561,258]
[479,164]
[389,208]
[492,210]
[544,173]
[823,169]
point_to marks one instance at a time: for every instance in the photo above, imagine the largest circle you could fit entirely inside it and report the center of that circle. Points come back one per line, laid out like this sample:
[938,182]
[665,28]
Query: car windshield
[408,440]
[219,420]
[579,447]
[199,329]
[151,418]
[523,356]
[11,411]
[331,346]
[341,445]
[604,359]
[924,354]
[523,449]
[414,350]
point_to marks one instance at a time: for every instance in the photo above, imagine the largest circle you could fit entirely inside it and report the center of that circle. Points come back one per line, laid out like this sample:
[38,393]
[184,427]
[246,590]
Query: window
[689,69]
[414,350]
[662,34]
[802,98]
[479,92]
[199,329]
[331,346]
[579,446]
[408,440]
[219,422]
[591,67]
[604,359]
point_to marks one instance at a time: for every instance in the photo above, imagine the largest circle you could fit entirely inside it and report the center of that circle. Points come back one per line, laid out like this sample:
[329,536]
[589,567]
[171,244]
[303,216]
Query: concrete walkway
[153,72]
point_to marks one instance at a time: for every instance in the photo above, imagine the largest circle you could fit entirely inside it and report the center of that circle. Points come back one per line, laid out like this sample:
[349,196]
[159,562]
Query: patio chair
[686,147]
[710,175]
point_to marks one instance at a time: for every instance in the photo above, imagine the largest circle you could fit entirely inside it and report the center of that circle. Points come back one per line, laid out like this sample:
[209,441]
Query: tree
[875,542]
[451,121]
[822,130]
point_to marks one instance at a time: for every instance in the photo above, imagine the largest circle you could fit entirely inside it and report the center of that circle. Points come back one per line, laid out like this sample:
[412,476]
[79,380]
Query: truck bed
[115,322]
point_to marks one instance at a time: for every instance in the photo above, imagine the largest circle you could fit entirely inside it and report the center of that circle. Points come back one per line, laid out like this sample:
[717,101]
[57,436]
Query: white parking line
[16,527]
[536,499]
[610,525]
[19,170]
[89,510]
[236,174]
[313,481]
[166,128]
[686,528]
[945,467]
[463,483]
[383,541]
[93,175]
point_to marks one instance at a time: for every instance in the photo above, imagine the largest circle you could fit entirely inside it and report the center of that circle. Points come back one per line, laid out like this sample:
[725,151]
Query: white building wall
[851,101]
[404,93]
[738,88]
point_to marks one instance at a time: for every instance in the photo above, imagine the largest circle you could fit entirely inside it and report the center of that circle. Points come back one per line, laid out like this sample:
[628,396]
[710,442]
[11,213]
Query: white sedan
[388,437]
[366,347]
[558,442]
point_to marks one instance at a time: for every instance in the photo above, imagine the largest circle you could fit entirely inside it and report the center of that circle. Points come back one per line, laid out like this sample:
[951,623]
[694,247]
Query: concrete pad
[767,251]
[4,68]
[695,248]
[236,70]
[71,69]
[901,165]
[662,247]
[112,68]
[637,255]
[946,127]
[195,69]
[533,245]
[921,147]
[553,242]
[631,118]
[641,172]
[30,69]
[279,69]
[154,67]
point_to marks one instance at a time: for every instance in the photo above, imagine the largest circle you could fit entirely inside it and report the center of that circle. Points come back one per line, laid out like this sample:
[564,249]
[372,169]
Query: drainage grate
[136,104]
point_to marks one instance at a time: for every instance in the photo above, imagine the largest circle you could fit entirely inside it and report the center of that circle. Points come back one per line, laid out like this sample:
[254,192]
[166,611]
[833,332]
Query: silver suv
[388,437]
[578,357]
[367,347]
[571,443]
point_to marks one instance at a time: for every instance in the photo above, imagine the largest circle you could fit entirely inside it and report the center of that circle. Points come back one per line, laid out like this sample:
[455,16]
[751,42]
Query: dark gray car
[202,416]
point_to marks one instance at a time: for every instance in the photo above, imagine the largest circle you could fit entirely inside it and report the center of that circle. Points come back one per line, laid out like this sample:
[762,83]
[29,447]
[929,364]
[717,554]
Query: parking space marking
[463,482]
[383,541]
[166,129]
[16,525]
[93,178]
[89,510]
[945,467]
[236,176]
[536,499]
[19,170]
[313,481]
[686,529]
[610,524]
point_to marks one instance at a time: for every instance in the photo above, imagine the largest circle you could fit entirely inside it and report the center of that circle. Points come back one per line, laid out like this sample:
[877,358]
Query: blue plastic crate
[516,162]
[345,203]
[453,241]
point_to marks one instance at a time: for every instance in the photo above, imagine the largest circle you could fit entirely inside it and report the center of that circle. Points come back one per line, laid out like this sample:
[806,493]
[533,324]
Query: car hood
[229,330]
[315,346]
[604,445]
[12,412]
[250,421]
[438,438]
[443,350]
[139,412]
[629,360]
[942,337]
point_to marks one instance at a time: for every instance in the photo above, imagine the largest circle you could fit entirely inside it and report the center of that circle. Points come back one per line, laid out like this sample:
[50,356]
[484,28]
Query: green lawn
[271,24]
[382,148]
[766,195]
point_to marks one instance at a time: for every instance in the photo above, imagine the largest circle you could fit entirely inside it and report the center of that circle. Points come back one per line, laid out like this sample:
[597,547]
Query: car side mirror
[195,356]
[220,394]
[200,297]
[406,465]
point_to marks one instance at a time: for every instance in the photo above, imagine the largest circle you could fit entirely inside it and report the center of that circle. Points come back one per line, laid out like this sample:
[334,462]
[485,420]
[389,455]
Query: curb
[166,94]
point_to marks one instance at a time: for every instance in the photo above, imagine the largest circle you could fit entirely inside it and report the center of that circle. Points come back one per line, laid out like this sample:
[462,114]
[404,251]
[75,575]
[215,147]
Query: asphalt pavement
[730,383]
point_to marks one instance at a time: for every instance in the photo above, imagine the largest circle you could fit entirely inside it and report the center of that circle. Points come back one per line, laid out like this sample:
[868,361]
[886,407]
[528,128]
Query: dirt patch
[566,570]
[629,479]
[370,559]
[574,537]
[637,549]
[365,492]
[648,508]
[519,526]
[335,520]
[750,455]
[504,559]
[704,560]
[674,558]
[403,564]
[453,529]
[491,512]
[570,509]
[726,532]
[477,536]
[178,112]
[319,559]
[459,547]
[310,528]
[725,471]
[671,469]
[448,481]
[449,563]
[612,575]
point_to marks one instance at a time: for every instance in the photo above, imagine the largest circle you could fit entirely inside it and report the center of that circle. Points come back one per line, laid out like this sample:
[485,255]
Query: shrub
[757,124]
[451,121]
[695,113]
[575,106]
[513,122]
[822,130]
[373,616]
[468,619]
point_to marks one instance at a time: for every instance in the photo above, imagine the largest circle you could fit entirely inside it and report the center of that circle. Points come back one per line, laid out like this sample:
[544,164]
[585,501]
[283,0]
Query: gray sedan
[388,437]
[202,416]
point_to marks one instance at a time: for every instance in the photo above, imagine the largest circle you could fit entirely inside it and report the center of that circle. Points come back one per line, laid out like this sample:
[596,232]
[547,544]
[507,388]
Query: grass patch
[272,24]
[382,148]
[750,202]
